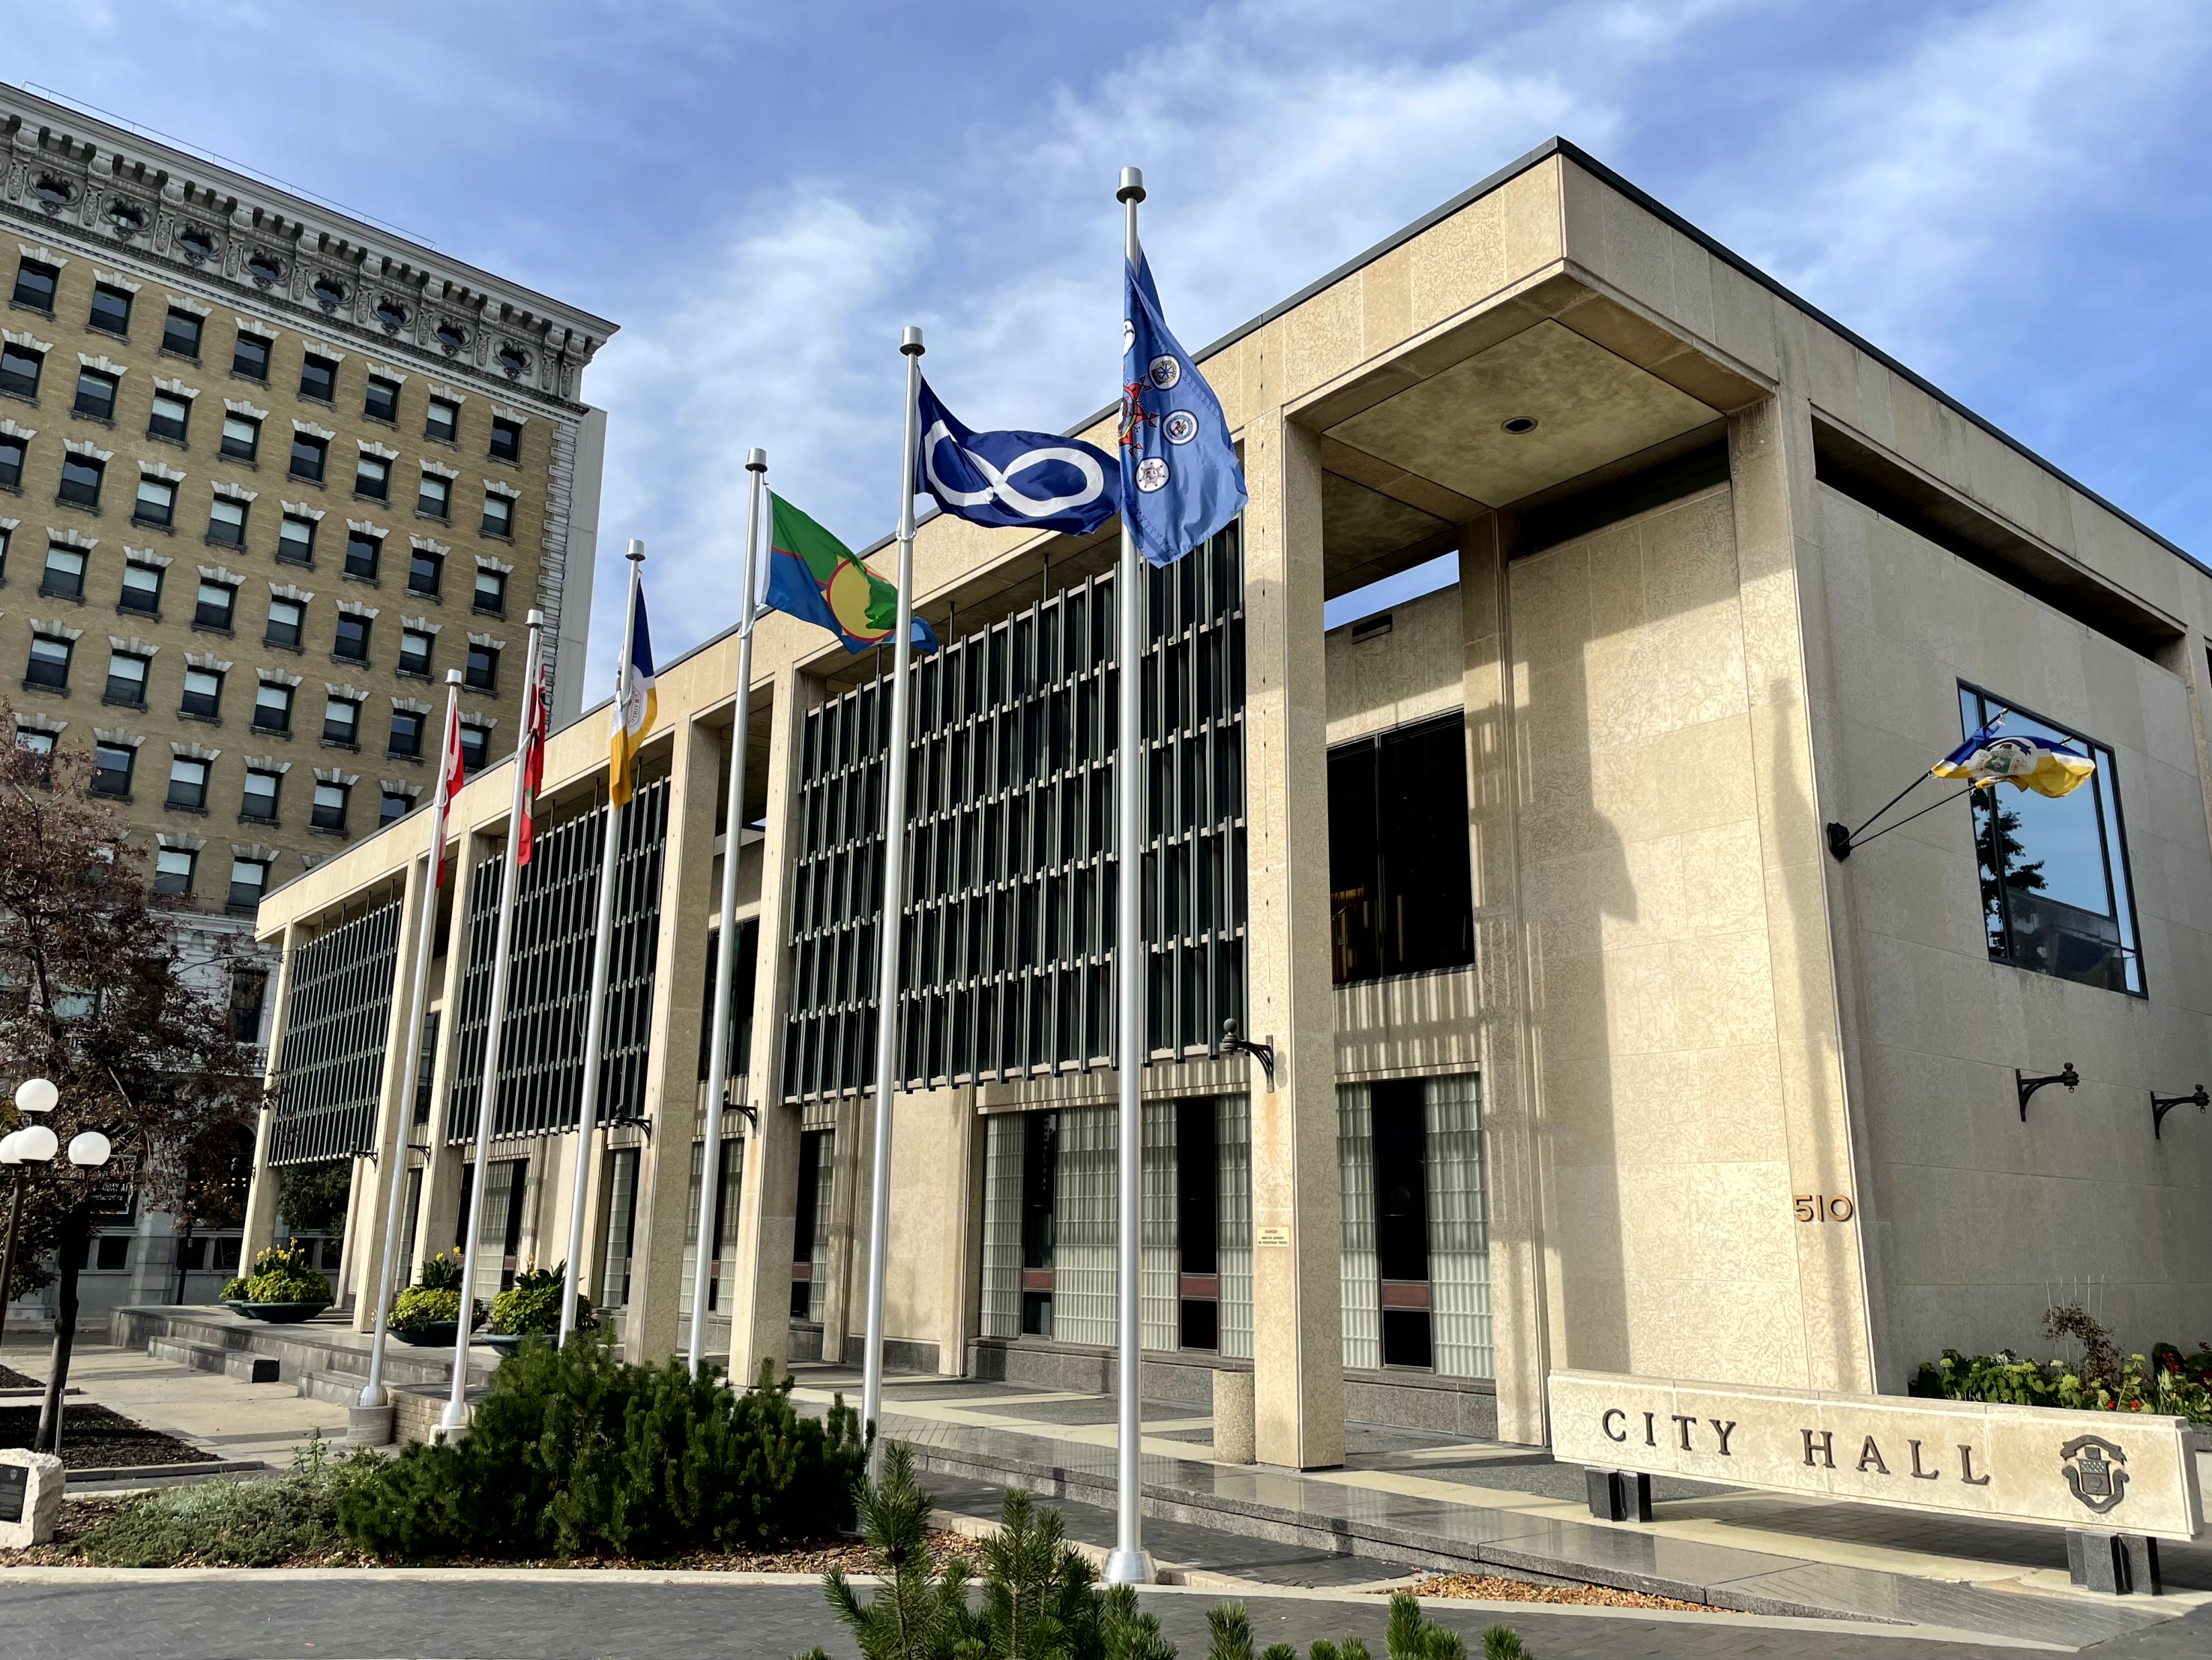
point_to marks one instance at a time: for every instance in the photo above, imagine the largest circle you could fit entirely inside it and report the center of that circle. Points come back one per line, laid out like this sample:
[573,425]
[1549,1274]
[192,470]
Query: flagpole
[602,951]
[1128,1565]
[725,952]
[456,1405]
[887,985]
[425,930]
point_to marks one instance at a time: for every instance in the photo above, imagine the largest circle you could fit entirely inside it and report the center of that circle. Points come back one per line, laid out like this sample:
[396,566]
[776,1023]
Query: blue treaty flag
[1025,480]
[1180,482]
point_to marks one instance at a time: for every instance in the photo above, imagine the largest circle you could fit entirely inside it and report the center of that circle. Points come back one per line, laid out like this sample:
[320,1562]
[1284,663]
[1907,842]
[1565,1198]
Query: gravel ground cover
[93,1437]
[1488,1588]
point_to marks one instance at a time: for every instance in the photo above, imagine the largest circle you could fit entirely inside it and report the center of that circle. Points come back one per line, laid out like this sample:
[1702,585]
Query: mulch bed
[1489,1588]
[93,1437]
[12,1379]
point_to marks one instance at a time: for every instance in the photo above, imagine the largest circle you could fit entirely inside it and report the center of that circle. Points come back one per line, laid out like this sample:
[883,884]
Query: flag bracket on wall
[1263,1053]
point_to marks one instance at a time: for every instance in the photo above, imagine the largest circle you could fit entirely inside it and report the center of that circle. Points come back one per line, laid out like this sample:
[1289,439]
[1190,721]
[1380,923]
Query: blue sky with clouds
[2009,196]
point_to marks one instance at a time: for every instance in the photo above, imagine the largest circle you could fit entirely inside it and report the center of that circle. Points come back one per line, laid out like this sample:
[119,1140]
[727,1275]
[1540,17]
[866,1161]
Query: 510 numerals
[1819,1207]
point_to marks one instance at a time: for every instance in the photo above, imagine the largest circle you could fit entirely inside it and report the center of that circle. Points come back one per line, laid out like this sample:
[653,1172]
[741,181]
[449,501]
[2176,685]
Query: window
[352,642]
[382,401]
[65,572]
[250,357]
[498,516]
[1401,1220]
[414,651]
[392,314]
[309,454]
[435,496]
[475,741]
[111,768]
[20,368]
[1402,898]
[329,293]
[272,707]
[258,803]
[1040,1186]
[156,503]
[406,734]
[227,522]
[141,589]
[188,784]
[216,602]
[34,285]
[423,572]
[249,879]
[180,334]
[48,664]
[393,805]
[241,436]
[2056,897]
[491,591]
[443,420]
[114,1254]
[329,812]
[126,680]
[483,674]
[34,740]
[506,439]
[285,617]
[111,309]
[172,870]
[11,463]
[295,540]
[372,477]
[81,477]
[319,379]
[96,394]
[202,693]
[341,723]
[362,548]
[171,416]
[262,268]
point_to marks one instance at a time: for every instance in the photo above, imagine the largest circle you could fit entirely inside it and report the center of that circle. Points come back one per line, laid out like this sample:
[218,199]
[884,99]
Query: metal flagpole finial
[636,550]
[1132,186]
[910,342]
[452,677]
[756,461]
[535,620]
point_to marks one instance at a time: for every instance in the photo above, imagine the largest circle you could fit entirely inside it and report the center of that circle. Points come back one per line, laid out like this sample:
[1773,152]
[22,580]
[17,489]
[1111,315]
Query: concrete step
[340,1388]
[245,1366]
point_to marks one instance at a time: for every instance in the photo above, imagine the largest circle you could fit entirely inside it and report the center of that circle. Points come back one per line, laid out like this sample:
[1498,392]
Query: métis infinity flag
[1180,482]
[635,705]
[1020,480]
[1989,757]
[812,575]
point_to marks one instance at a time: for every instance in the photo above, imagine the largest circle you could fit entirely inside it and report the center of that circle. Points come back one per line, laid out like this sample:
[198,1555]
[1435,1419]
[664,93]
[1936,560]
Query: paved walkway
[1409,1497]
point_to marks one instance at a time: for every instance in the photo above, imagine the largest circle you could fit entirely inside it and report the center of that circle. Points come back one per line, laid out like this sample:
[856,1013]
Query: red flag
[449,785]
[536,701]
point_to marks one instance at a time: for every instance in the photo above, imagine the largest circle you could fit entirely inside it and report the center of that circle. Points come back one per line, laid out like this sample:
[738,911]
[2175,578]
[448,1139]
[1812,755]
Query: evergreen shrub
[252,1525]
[574,1453]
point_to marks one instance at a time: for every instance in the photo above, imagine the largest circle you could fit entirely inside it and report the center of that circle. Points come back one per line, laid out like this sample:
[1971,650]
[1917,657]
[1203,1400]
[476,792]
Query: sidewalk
[1405,1498]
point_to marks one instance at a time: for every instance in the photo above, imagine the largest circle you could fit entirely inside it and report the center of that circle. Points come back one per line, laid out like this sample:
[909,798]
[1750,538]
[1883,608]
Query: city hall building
[1588,1051]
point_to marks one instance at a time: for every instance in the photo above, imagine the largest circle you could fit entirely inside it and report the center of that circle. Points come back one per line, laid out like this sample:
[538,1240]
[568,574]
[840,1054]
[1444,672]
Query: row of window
[156,506]
[182,333]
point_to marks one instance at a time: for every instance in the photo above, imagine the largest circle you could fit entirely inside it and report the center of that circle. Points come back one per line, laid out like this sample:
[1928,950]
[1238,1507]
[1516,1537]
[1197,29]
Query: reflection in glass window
[1400,887]
[2055,889]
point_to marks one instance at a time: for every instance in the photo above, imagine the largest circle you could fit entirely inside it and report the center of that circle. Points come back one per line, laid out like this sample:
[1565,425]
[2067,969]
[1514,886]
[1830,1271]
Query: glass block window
[1459,1228]
[1362,1282]
[1083,1258]
[329,1070]
[1008,953]
[622,1224]
[1159,1298]
[722,1271]
[1232,1129]
[1002,1225]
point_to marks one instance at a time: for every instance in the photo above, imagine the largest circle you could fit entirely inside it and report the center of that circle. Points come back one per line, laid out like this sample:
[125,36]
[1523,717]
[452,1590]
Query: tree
[314,1197]
[126,1012]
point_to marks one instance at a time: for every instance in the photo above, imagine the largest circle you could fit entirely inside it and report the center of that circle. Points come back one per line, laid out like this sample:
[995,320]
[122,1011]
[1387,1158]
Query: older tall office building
[1589,1052]
[266,472]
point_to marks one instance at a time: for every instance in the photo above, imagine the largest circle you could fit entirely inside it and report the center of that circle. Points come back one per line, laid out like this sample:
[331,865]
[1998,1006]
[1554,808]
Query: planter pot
[436,1334]
[236,1306]
[509,1342]
[281,1314]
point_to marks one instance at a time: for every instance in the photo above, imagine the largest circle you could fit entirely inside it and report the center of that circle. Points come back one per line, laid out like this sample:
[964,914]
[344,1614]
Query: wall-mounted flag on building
[1989,757]
[812,575]
[635,704]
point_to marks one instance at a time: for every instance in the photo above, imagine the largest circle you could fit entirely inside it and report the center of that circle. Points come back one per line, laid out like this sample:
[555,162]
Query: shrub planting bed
[93,1437]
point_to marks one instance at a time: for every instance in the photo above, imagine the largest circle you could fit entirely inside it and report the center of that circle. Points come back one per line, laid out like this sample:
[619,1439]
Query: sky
[2010,197]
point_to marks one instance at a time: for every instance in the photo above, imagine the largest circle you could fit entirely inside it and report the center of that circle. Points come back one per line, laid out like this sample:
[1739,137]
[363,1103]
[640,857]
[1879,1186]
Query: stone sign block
[2108,1470]
[30,1496]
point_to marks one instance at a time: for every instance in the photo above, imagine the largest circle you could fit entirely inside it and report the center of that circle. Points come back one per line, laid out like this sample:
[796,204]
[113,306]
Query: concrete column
[446,1170]
[760,1297]
[838,1308]
[1510,1107]
[960,1265]
[261,1192]
[1298,1356]
[395,1111]
[671,1079]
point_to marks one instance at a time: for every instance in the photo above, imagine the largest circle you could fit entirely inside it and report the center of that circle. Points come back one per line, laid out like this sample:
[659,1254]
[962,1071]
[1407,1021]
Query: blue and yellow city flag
[635,705]
[1989,757]
[813,575]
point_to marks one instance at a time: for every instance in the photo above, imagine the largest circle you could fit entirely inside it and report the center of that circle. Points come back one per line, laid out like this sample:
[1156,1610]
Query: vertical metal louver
[331,1070]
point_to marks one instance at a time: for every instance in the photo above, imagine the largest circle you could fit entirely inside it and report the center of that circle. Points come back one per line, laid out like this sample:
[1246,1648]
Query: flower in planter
[281,1274]
[531,1305]
[436,1298]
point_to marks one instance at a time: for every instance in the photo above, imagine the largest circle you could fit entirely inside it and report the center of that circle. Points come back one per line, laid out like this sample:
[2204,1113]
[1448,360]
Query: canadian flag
[449,785]
[536,708]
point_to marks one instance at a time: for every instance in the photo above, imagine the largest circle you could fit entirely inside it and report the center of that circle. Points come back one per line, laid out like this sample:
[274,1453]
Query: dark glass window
[319,379]
[111,309]
[435,496]
[241,436]
[424,571]
[295,540]
[443,419]
[329,812]
[1198,1223]
[141,589]
[11,463]
[180,333]
[48,664]
[498,516]
[284,619]
[19,370]
[392,805]
[506,438]
[361,552]
[258,803]
[213,607]
[372,477]
[2056,897]
[172,870]
[272,707]
[382,401]
[352,640]
[414,651]
[34,285]
[202,693]
[806,1218]
[111,768]
[249,998]
[406,733]
[249,880]
[96,394]
[227,522]
[171,416]
[491,592]
[188,783]
[63,576]
[309,453]
[1401,1220]
[483,672]
[81,477]
[475,741]
[126,680]
[156,503]
[1401,898]
[1040,1191]
[250,357]
[340,721]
